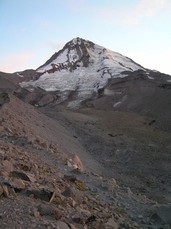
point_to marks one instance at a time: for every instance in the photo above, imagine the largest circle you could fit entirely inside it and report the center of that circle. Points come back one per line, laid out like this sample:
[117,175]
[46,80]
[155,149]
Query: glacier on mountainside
[82,66]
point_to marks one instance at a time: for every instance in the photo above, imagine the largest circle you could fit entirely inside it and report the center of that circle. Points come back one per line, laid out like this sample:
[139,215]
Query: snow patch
[73,56]
[18,74]
[108,92]
[150,77]
[116,104]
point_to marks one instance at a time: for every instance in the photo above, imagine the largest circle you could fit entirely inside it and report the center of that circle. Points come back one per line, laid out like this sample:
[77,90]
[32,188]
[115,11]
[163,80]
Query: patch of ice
[73,56]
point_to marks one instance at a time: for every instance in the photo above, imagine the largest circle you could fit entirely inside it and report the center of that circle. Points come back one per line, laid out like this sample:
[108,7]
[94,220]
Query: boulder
[50,211]
[19,175]
[78,163]
[42,194]
[18,184]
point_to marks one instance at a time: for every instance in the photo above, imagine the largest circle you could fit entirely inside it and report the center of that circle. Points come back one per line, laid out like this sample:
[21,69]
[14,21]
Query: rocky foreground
[39,185]
[45,184]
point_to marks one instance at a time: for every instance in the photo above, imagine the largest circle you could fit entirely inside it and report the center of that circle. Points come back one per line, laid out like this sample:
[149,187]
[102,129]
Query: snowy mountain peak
[83,67]
[73,52]
[82,53]
[78,41]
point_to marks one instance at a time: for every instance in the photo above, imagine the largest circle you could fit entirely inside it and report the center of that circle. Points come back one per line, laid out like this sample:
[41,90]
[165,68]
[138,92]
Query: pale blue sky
[32,30]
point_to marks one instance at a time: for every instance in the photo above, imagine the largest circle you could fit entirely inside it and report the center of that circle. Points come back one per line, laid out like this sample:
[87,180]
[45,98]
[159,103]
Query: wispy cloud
[143,9]
[15,61]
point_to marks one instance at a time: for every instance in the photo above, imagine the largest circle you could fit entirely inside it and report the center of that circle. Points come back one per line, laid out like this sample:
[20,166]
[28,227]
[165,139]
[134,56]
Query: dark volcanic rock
[4,98]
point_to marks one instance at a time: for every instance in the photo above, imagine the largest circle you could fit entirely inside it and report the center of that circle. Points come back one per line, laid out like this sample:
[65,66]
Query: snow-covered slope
[83,67]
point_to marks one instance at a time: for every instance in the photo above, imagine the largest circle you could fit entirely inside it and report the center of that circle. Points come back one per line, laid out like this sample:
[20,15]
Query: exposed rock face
[77,161]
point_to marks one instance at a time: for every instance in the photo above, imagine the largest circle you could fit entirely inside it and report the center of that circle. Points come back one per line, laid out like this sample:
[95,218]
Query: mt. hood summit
[82,67]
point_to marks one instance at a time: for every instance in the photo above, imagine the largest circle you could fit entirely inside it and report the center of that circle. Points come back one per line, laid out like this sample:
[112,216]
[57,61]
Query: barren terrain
[127,148]
[92,167]
[85,143]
